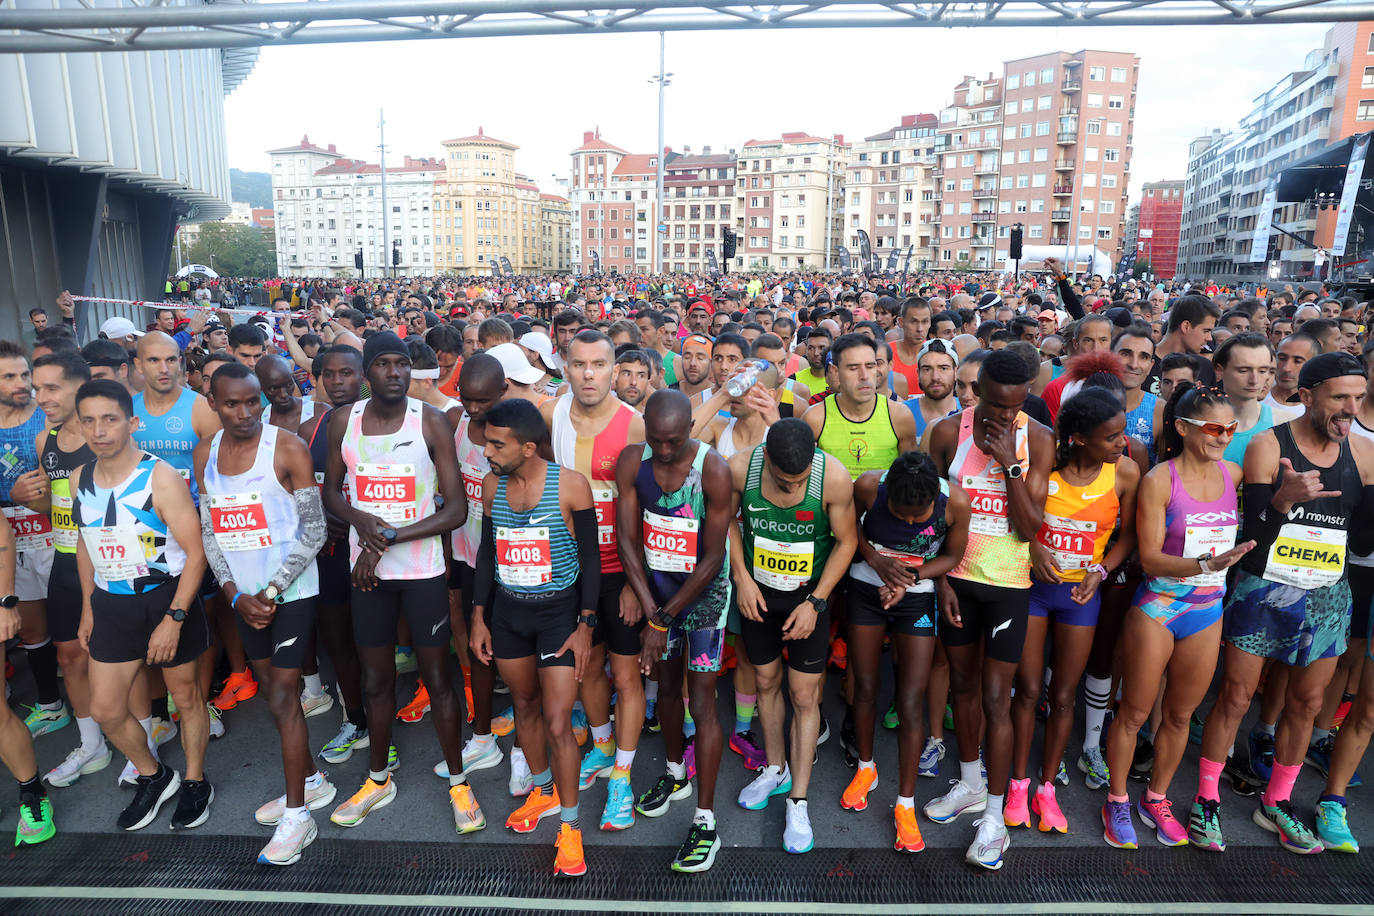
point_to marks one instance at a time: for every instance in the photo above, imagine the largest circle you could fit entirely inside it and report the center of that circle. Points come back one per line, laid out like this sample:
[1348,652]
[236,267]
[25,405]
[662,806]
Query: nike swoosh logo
[544,658]
[812,661]
[285,644]
[1095,495]
[999,628]
[435,629]
[758,508]
[535,521]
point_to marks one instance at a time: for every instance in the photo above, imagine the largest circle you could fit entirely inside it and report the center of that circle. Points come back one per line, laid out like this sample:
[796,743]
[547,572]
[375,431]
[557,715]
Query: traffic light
[396,257]
[727,246]
[1016,242]
[358,259]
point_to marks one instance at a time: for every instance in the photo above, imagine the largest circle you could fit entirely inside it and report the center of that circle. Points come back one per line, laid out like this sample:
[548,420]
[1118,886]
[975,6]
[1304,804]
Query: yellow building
[555,234]
[480,207]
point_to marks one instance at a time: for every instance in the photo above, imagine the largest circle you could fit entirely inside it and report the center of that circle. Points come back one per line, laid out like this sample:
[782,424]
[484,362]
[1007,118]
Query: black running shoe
[193,807]
[149,794]
[1243,782]
[1143,763]
[847,741]
[699,850]
[667,790]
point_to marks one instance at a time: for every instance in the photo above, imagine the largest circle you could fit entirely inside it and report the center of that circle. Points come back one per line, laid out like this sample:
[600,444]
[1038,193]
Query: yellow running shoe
[366,800]
[467,815]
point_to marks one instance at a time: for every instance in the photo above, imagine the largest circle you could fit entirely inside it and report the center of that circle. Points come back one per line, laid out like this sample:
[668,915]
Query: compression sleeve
[213,555]
[1362,535]
[1072,304]
[589,556]
[312,537]
[484,578]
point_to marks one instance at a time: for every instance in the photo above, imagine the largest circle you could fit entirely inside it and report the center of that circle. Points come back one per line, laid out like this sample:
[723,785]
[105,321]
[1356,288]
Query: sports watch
[1014,472]
[273,593]
[820,604]
[590,620]
[388,535]
[176,613]
[9,602]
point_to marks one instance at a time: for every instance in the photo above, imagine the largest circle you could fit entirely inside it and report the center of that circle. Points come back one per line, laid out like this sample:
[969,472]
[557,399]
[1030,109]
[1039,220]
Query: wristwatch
[588,619]
[1202,566]
[1099,569]
[1014,472]
[662,619]
[176,613]
[273,593]
[820,604]
[9,601]
[389,535]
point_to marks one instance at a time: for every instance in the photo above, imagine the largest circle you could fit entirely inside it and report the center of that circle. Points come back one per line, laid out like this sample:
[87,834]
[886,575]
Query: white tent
[1073,257]
[197,269]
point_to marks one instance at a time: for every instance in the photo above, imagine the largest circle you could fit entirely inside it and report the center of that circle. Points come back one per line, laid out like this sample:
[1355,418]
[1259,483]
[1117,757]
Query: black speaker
[395,257]
[727,246]
[358,259]
[1016,242]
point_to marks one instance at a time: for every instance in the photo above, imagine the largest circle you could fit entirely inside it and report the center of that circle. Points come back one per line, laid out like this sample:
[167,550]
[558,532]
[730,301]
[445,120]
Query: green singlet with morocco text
[786,548]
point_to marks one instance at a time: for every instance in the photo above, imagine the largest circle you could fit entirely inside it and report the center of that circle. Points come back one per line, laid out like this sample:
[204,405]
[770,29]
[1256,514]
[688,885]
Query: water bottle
[755,371]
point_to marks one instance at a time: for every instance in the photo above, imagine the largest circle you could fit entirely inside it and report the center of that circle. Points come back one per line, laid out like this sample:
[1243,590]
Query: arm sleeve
[1262,520]
[1072,304]
[312,537]
[213,555]
[484,577]
[1362,536]
[589,556]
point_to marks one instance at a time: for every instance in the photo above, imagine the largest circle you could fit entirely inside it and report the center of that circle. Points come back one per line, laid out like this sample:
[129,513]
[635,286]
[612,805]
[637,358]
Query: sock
[1263,728]
[544,781]
[601,733]
[483,741]
[378,776]
[1208,772]
[624,759]
[1118,799]
[43,664]
[994,810]
[403,650]
[971,774]
[651,690]
[148,730]
[1319,733]
[797,802]
[1096,692]
[706,817]
[906,801]
[456,779]
[867,765]
[32,787]
[744,710]
[91,738]
[517,759]
[1281,784]
[1046,787]
[1338,799]
[677,770]
[568,815]
[160,707]
[314,779]
[313,685]
[295,813]
[1152,796]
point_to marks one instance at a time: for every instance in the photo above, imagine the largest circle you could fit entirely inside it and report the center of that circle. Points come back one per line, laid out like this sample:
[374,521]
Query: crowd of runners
[588,505]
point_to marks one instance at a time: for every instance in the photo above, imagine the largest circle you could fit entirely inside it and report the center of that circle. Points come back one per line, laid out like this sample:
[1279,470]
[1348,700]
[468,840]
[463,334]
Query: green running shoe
[36,823]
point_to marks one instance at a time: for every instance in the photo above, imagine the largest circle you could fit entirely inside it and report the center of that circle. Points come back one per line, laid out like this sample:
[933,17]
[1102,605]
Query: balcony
[982,193]
[985,168]
[1068,137]
[1068,111]
[985,216]
[1063,190]
[1059,241]
[1064,165]
[1071,84]
[1059,216]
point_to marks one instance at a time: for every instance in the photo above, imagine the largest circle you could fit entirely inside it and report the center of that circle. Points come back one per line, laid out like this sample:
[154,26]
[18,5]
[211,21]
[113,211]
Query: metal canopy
[297,22]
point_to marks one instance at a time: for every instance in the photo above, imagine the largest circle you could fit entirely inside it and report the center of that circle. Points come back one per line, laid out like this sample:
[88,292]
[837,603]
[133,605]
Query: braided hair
[1189,400]
[1081,414]
[913,480]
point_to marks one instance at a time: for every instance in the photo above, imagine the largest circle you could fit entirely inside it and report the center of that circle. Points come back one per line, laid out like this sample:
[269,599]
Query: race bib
[63,524]
[239,521]
[906,559]
[32,530]
[989,498]
[116,552]
[603,500]
[783,565]
[523,556]
[1306,556]
[1210,540]
[670,543]
[388,492]
[1070,541]
[472,487]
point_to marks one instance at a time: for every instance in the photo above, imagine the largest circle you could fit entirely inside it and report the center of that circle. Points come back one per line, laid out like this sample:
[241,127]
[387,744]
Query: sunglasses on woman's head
[1213,429]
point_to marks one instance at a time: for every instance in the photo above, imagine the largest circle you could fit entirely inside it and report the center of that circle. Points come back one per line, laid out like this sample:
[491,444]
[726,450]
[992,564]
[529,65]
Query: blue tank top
[170,436]
[535,552]
[1141,422]
[18,453]
[1236,450]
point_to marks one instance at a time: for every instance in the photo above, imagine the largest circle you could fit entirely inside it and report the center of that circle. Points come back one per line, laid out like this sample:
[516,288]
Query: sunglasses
[1213,429]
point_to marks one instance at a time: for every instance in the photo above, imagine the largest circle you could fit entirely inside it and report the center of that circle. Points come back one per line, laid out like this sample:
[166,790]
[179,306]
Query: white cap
[119,327]
[540,344]
[517,368]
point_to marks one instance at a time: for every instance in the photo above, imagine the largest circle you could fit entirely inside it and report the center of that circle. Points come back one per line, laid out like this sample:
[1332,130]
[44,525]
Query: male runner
[799,534]
[284,409]
[1291,353]
[1144,411]
[857,425]
[916,319]
[673,517]
[590,427]
[526,605]
[141,564]
[1002,459]
[817,346]
[1244,365]
[634,376]
[937,366]
[694,368]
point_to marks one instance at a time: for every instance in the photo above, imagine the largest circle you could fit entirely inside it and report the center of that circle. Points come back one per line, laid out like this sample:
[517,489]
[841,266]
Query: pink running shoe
[1046,805]
[1015,813]
[1160,815]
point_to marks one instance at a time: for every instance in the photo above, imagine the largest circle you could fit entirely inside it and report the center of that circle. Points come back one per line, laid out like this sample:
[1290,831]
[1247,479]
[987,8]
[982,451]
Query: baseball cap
[938,345]
[1048,313]
[697,341]
[516,366]
[212,326]
[540,344]
[119,326]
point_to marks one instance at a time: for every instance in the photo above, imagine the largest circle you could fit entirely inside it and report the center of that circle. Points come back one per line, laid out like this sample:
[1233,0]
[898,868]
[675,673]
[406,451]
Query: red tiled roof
[480,137]
[591,142]
[636,164]
[306,146]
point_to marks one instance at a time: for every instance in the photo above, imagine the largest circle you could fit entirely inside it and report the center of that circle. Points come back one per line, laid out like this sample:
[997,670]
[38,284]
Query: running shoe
[216,722]
[619,813]
[698,851]
[931,756]
[503,723]
[960,798]
[839,654]
[1016,811]
[1261,754]
[150,794]
[316,706]
[1062,777]
[1042,709]
[521,779]
[1045,804]
[848,743]
[949,718]
[1204,825]
[1195,725]
[1243,782]
[406,662]
[80,762]
[193,805]
[36,823]
[989,844]
[1319,754]
[165,730]
[1093,767]
[1333,829]
[569,860]
[796,832]
[823,735]
[651,724]
[370,797]
[477,755]
[596,763]
[1117,829]
[238,687]
[1293,833]
[580,728]
[1143,763]
[415,710]
[349,739]
[393,759]
[42,721]
[665,790]
[772,781]
[855,796]
[909,837]
[890,717]
[318,793]
[289,840]
[1343,710]
[537,806]
[689,757]
[467,814]
[1160,815]
[128,777]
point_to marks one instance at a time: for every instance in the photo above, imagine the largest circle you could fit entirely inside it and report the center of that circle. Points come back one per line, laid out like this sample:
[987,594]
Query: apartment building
[698,205]
[890,192]
[555,234]
[485,208]
[967,146]
[1157,226]
[789,201]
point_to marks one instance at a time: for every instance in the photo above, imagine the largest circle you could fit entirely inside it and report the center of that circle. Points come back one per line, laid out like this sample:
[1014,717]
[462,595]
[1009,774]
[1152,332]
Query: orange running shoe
[855,798]
[467,691]
[568,861]
[537,806]
[909,837]
[238,687]
[839,654]
[415,710]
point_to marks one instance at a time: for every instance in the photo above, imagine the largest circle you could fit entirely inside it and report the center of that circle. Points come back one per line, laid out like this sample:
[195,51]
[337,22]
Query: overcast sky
[728,87]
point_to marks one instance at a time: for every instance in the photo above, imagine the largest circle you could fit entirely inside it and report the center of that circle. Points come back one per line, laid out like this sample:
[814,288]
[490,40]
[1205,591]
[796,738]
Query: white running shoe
[128,777]
[216,722]
[475,757]
[289,841]
[521,779]
[989,843]
[796,835]
[316,797]
[80,762]
[316,706]
[960,798]
[164,730]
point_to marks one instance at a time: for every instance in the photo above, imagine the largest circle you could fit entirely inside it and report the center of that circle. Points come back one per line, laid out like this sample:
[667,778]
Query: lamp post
[663,81]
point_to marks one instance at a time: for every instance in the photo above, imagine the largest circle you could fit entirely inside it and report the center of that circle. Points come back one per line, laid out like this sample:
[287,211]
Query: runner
[284,409]
[396,456]
[263,525]
[1305,482]
[141,565]
[912,535]
[590,428]
[798,535]
[817,346]
[937,366]
[674,517]
[906,353]
[1144,410]
[856,425]
[526,604]
[694,368]
[1244,366]
[1003,459]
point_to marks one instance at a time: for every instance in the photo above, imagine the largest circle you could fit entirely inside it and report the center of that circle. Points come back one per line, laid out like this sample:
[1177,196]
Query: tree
[1141,269]
[236,251]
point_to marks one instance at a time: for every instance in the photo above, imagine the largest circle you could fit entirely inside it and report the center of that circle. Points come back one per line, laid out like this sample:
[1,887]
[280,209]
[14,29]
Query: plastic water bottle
[755,371]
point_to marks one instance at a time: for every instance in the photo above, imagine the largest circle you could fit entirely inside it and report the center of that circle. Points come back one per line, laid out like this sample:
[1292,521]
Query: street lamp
[663,82]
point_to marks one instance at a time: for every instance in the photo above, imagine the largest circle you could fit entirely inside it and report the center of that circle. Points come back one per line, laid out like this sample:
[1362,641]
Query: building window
[1365,111]
[1113,129]
[1047,75]
[1011,108]
[1117,102]
[1111,154]
[1044,103]
[1094,100]
[1094,128]
[1097,74]
[1104,232]
[1118,74]
[1013,82]
[1042,128]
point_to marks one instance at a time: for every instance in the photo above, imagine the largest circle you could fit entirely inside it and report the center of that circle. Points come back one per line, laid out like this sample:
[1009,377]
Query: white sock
[971,774]
[1096,691]
[295,813]
[314,779]
[456,779]
[91,737]
[1263,728]
[677,770]
[705,817]
[517,759]
[601,733]
[994,809]
[867,765]
[624,759]
[906,801]
[486,740]
[313,685]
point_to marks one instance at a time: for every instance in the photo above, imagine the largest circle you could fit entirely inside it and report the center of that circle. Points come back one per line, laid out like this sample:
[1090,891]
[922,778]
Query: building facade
[698,205]
[555,235]
[1159,219]
[486,209]
[593,162]
[890,192]
[789,201]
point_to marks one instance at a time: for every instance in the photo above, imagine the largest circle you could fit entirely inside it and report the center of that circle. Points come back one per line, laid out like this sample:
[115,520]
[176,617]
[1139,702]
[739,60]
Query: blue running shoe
[596,762]
[1118,830]
[1333,829]
[620,809]
[1261,755]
